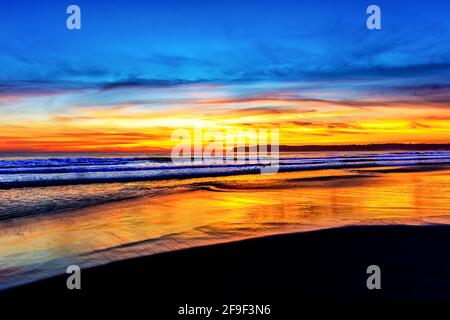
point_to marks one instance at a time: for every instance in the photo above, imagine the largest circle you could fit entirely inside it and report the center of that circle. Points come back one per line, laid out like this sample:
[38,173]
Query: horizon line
[282,148]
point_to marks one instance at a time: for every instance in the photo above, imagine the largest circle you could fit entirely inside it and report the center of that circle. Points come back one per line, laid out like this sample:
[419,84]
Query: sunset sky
[138,70]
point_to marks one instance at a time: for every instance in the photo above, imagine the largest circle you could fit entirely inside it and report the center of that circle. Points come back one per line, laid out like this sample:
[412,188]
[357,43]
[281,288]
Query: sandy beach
[312,268]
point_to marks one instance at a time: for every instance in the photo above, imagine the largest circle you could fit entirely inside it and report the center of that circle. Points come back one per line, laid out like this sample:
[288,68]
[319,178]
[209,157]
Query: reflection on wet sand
[212,210]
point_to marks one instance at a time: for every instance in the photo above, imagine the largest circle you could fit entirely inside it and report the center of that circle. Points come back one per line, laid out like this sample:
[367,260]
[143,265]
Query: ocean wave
[62,199]
[68,171]
[39,186]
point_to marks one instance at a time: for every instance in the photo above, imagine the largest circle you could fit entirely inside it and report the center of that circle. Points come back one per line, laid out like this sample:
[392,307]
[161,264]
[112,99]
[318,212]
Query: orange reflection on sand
[205,211]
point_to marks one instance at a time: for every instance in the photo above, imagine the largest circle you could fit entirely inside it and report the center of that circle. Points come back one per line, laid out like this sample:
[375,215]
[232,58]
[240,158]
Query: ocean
[92,209]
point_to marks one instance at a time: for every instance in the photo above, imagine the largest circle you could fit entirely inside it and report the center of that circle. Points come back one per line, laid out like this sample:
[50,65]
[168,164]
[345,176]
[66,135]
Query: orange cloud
[129,127]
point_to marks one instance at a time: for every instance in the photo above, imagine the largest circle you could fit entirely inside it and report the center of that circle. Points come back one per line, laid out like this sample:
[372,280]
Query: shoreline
[323,264]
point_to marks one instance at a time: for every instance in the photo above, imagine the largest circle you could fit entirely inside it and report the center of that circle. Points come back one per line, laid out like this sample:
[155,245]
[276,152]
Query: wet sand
[205,212]
[325,265]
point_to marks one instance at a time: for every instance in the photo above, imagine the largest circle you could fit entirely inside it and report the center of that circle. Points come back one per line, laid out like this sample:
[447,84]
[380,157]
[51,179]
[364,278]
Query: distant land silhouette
[366,147]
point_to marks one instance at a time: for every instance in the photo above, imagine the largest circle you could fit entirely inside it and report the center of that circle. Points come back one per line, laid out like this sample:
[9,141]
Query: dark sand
[284,270]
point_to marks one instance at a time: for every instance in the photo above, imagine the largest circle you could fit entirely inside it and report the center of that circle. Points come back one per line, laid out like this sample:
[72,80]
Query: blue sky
[176,41]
